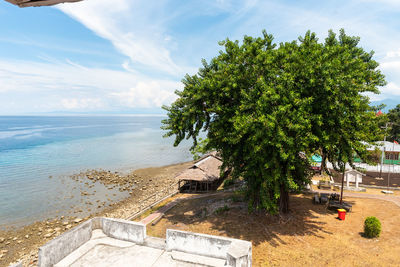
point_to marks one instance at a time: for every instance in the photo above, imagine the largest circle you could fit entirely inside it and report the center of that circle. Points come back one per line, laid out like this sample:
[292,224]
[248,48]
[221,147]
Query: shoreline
[22,243]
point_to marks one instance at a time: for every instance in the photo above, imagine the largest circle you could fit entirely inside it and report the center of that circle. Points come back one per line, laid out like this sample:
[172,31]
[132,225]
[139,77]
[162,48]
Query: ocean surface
[39,153]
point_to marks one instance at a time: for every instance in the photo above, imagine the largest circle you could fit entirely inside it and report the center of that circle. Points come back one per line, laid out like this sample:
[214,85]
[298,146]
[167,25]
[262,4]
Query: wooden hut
[203,176]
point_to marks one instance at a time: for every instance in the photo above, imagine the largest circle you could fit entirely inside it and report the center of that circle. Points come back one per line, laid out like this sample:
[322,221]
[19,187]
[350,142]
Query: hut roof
[207,169]
[384,145]
[26,3]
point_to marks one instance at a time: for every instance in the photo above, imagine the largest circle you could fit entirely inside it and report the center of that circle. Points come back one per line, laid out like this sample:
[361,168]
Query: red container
[341,214]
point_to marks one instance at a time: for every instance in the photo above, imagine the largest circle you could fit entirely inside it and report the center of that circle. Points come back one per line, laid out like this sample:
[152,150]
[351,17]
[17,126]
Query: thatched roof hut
[204,175]
[26,3]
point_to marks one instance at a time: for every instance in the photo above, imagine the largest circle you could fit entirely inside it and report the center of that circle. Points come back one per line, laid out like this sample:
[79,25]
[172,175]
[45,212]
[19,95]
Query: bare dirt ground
[23,243]
[309,235]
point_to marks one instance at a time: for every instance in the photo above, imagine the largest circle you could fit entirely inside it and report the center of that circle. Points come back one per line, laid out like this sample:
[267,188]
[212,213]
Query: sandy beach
[21,244]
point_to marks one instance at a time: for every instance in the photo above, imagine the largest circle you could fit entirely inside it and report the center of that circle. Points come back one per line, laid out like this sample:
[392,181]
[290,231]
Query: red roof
[379,113]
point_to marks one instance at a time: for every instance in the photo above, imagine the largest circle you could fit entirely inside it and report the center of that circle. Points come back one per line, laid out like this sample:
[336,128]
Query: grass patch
[153,209]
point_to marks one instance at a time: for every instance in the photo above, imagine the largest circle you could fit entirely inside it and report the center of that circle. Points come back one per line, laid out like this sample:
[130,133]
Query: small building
[203,176]
[391,150]
[315,162]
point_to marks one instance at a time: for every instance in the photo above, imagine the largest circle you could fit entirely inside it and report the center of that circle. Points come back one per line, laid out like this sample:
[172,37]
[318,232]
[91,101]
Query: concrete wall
[124,230]
[239,254]
[376,168]
[58,248]
[236,252]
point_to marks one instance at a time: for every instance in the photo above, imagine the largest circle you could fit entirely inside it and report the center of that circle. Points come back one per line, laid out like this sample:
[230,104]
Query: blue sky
[124,56]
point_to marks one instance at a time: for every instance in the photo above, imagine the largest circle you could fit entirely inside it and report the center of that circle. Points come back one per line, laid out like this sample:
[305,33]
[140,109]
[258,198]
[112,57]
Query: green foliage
[200,149]
[228,182]
[267,108]
[394,119]
[374,157]
[222,210]
[347,119]
[372,227]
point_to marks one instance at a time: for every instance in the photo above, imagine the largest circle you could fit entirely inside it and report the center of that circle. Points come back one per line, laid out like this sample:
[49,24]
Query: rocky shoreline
[23,243]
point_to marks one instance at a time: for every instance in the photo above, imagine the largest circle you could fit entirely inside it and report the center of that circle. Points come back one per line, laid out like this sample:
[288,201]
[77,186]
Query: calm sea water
[37,155]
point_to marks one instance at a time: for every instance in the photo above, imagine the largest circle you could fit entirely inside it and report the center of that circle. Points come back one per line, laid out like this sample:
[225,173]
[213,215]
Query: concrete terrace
[102,250]
[113,242]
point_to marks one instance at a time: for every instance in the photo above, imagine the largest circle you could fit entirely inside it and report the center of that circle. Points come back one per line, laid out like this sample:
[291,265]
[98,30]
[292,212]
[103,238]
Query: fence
[376,168]
[154,199]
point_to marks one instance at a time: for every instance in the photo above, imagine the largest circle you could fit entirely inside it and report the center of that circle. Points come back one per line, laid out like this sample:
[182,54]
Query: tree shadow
[235,221]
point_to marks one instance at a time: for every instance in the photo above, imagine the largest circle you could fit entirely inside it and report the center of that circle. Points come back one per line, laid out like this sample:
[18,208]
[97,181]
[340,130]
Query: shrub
[372,227]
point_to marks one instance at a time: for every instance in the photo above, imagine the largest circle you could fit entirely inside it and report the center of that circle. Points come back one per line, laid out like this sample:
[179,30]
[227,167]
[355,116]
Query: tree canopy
[267,108]
[394,118]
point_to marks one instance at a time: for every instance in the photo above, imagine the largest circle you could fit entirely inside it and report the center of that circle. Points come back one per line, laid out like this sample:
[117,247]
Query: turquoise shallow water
[33,149]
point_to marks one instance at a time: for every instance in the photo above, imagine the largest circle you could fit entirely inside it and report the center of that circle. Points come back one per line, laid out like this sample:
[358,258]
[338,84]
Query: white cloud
[82,103]
[75,64]
[129,25]
[148,94]
[26,76]
[167,38]
[386,3]
[46,87]
[392,65]
[393,54]
[391,89]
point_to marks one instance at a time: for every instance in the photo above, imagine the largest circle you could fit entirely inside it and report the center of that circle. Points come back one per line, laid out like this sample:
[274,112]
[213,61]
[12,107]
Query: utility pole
[392,161]
[341,190]
[383,150]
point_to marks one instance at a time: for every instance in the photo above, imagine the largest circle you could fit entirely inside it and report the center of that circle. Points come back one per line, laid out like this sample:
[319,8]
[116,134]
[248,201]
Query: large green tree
[339,74]
[266,108]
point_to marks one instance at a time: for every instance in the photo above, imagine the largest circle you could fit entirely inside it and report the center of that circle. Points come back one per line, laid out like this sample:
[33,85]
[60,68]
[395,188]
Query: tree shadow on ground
[235,221]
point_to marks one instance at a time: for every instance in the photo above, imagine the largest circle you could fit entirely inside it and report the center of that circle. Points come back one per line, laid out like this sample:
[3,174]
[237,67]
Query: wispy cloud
[154,43]
[82,103]
[148,95]
[129,26]
[46,87]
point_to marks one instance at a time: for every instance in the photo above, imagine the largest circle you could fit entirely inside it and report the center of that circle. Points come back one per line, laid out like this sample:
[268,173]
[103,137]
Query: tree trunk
[324,168]
[284,199]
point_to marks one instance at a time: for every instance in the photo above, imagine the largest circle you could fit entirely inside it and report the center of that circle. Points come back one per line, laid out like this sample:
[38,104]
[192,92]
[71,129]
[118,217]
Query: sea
[38,154]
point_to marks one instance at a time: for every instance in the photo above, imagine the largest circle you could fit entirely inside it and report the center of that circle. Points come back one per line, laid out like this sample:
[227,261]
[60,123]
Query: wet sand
[23,243]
